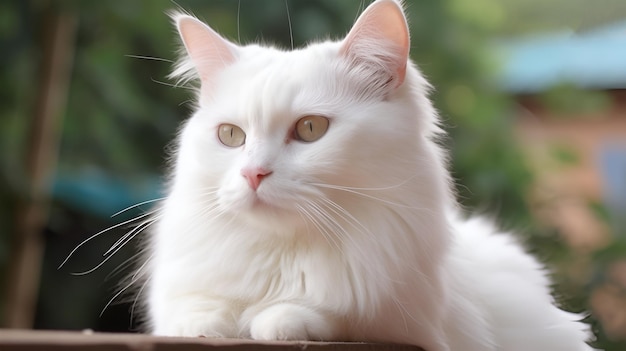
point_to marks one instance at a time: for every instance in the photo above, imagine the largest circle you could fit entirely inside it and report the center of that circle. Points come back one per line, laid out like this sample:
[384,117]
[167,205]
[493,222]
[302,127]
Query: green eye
[231,135]
[311,128]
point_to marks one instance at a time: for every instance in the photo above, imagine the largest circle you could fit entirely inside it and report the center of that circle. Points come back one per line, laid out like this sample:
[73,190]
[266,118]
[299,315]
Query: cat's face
[285,137]
[278,125]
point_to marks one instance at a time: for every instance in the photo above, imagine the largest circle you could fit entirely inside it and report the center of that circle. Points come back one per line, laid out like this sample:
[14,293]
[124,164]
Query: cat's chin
[260,211]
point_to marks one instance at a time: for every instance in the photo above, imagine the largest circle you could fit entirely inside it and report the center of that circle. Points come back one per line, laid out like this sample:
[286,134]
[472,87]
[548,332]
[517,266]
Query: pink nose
[254,176]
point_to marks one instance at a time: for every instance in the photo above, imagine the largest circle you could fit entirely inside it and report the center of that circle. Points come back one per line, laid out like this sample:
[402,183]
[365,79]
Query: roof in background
[595,59]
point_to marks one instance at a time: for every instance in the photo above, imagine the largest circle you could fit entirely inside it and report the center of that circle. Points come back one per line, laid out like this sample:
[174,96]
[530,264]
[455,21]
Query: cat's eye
[311,128]
[231,135]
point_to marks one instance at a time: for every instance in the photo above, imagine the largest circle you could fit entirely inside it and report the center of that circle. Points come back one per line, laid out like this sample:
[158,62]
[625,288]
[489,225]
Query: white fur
[357,236]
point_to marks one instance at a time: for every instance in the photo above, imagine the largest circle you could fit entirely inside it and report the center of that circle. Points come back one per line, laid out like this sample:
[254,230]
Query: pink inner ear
[208,51]
[381,30]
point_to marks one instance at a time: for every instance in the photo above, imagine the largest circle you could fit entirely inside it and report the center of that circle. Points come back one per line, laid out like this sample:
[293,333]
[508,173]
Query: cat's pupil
[230,135]
[310,128]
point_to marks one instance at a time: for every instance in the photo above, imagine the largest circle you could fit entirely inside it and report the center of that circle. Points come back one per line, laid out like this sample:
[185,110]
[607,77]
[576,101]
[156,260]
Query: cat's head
[281,137]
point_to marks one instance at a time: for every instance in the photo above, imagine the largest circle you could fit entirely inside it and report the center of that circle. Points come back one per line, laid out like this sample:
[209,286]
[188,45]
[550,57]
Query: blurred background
[533,94]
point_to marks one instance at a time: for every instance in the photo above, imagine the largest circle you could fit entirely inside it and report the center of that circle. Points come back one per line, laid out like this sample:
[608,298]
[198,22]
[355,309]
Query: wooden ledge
[29,340]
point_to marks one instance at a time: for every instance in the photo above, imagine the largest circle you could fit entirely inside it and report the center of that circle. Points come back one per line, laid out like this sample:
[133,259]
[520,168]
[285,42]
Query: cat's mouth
[258,202]
[265,204]
[270,212]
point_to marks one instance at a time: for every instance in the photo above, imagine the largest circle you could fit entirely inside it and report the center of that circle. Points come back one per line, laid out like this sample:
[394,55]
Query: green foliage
[564,155]
[568,101]
[538,16]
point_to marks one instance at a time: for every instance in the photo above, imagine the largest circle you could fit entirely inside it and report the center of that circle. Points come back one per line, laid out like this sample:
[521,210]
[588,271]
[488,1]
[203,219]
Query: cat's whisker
[238,19]
[424,278]
[380,188]
[230,221]
[186,101]
[359,10]
[211,212]
[208,211]
[171,85]
[360,194]
[135,275]
[208,193]
[357,225]
[290,26]
[149,58]
[100,233]
[347,217]
[348,190]
[121,266]
[139,227]
[323,231]
[343,213]
[135,206]
[120,292]
[334,230]
[119,247]
[403,311]
[304,219]
[351,220]
[94,268]
[137,296]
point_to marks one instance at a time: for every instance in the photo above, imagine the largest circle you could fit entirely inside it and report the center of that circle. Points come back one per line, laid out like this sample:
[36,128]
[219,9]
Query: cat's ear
[379,40]
[207,51]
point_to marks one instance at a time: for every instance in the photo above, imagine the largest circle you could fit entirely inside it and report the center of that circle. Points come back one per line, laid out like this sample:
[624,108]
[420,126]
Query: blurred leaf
[568,101]
[564,155]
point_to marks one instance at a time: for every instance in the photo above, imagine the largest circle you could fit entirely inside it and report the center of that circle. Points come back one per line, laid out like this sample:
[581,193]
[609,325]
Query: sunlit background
[532,92]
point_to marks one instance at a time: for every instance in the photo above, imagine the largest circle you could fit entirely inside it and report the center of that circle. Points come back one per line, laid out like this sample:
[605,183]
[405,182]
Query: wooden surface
[27,340]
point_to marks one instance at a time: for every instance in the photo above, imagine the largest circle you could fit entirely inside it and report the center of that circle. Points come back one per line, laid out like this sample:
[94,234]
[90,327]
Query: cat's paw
[209,325]
[287,321]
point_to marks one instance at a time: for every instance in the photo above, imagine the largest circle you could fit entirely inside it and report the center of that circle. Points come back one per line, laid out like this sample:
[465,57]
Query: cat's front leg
[196,320]
[289,321]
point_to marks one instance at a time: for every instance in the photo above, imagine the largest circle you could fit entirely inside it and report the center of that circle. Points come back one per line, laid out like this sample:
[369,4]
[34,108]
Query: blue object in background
[595,59]
[613,159]
[95,192]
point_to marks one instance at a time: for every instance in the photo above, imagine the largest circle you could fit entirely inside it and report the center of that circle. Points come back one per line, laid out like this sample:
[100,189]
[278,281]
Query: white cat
[309,199]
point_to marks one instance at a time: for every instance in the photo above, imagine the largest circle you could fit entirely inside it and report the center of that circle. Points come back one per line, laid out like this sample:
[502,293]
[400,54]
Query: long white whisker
[132,308]
[141,268]
[100,233]
[348,190]
[290,27]
[330,224]
[370,189]
[149,58]
[116,296]
[238,18]
[364,195]
[345,215]
[401,308]
[186,101]
[171,85]
[342,213]
[145,225]
[323,231]
[121,267]
[136,205]
[130,233]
